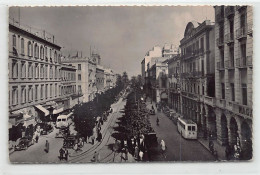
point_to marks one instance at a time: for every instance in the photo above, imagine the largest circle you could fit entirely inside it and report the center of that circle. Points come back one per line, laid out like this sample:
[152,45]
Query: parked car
[151,140]
[63,132]
[24,143]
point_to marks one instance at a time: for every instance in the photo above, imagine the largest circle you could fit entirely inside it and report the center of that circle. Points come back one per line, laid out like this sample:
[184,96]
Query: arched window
[50,55]
[35,51]
[42,52]
[14,41]
[30,49]
[22,46]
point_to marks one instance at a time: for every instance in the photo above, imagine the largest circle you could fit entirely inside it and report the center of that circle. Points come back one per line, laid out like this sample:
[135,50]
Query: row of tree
[135,121]
[85,114]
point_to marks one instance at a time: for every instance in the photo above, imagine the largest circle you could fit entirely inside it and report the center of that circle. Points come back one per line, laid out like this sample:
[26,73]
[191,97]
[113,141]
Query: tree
[125,78]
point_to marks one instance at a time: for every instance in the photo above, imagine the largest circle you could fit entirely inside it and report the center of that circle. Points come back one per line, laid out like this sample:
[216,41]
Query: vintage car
[24,143]
[45,128]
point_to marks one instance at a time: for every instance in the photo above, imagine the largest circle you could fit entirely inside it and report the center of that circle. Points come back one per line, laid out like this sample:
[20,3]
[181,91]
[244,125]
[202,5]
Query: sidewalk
[220,149]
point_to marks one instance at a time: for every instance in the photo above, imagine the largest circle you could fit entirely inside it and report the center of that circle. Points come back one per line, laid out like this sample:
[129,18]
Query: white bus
[64,121]
[187,128]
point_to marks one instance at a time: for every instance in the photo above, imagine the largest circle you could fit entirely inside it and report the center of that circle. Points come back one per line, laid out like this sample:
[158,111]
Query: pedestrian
[61,153]
[95,157]
[37,138]
[136,152]
[227,152]
[126,154]
[93,139]
[75,147]
[66,154]
[99,136]
[47,146]
[141,154]
[163,147]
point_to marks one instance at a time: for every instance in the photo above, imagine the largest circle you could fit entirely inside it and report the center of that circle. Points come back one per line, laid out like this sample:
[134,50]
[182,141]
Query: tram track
[90,151]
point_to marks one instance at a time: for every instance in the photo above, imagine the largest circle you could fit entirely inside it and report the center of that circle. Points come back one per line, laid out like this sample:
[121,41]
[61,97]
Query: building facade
[234,69]
[34,72]
[174,85]
[197,76]
[82,77]
[70,96]
[100,73]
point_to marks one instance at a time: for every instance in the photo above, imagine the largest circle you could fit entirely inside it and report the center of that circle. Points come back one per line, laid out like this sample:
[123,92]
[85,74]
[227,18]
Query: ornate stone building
[234,70]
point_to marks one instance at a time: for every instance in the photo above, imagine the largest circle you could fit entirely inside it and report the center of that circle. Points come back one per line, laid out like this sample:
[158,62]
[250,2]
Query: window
[30,70]
[36,92]
[30,94]
[23,70]
[23,94]
[55,57]
[14,41]
[231,56]
[46,72]
[30,49]
[14,96]
[14,69]
[50,55]
[42,71]
[55,90]
[244,94]
[79,89]
[223,90]
[36,51]
[189,128]
[42,53]
[193,128]
[232,88]
[46,56]
[51,72]
[79,77]
[42,87]
[46,91]
[243,21]
[50,90]
[231,28]
[36,70]
[79,66]
[22,46]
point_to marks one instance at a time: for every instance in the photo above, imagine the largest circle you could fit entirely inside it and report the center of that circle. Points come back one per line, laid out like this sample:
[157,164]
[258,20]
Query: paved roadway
[178,148]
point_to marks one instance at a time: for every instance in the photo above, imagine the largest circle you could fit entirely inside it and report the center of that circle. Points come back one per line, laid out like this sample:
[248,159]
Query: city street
[36,153]
[178,148]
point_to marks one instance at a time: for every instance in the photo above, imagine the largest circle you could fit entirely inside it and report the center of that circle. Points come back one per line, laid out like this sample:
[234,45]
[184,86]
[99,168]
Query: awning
[56,111]
[29,120]
[45,111]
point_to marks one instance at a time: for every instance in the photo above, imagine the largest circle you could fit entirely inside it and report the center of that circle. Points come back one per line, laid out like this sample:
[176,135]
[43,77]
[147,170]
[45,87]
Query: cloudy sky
[122,35]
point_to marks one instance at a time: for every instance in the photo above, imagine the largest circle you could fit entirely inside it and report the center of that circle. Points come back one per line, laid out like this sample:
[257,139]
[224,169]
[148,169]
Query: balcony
[201,51]
[243,110]
[220,65]
[241,33]
[197,74]
[221,103]
[229,11]
[229,38]
[244,62]
[220,41]
[220,17]
[188,55]
[250,29]
[210,101]
[229,64]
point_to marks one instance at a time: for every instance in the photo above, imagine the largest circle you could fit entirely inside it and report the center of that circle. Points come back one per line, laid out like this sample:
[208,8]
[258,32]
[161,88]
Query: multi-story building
[82,74]
[34,72]
[197,76]
[157,81]
[174,83]
[155,52]
[234,69]
[70,96]
[169,50]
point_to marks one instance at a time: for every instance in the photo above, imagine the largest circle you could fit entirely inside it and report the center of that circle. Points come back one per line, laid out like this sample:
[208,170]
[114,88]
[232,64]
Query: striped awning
[56,111]
[45,111]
